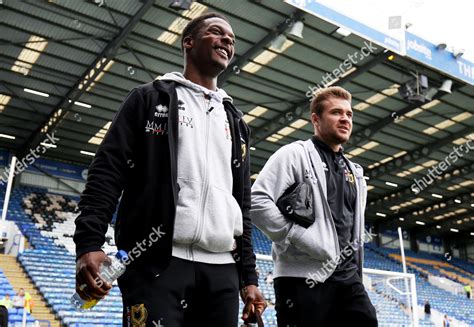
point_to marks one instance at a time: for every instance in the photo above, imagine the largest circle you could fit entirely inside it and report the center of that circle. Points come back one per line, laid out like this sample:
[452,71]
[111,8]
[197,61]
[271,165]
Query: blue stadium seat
[51,266]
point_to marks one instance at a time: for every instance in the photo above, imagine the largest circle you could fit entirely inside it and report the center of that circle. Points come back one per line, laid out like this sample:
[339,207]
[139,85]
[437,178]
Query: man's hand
[89,285]
[254,302]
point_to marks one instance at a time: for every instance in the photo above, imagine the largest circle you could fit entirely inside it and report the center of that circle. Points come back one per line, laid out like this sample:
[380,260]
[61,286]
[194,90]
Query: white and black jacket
[137,161]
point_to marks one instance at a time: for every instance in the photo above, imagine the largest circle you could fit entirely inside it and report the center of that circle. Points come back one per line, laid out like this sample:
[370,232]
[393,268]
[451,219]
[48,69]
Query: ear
[188,42]
[315,119]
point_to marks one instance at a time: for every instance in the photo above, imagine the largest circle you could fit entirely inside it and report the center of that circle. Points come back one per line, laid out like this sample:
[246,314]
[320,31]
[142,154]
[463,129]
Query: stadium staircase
[19,279]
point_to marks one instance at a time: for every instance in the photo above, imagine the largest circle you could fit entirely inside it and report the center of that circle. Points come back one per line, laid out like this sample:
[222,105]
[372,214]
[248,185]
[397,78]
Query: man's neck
[334,147]
[195,76]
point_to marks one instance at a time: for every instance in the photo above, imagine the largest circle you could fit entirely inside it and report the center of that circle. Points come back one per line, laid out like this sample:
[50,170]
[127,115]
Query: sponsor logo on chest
[161,111]
[155,128]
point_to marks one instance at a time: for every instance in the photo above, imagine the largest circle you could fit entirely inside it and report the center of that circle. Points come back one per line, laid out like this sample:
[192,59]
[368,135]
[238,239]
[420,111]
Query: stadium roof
[86,56]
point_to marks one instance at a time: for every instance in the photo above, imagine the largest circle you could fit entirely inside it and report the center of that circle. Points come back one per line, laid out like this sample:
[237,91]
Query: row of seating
[456,306]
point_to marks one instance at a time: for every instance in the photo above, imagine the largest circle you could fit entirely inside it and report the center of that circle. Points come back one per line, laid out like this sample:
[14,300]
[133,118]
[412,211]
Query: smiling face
[211,49]
[334,124]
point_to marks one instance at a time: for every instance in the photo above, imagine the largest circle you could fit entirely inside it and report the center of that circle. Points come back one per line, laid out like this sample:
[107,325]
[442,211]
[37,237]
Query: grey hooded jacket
[310,253]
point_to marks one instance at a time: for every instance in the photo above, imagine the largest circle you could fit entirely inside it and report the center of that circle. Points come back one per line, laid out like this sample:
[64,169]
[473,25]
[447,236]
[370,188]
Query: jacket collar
[322,145]
[233,110]
[169,87]
[164,86]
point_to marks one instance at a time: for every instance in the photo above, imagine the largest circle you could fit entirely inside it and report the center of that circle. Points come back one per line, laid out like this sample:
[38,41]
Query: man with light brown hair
[309,199]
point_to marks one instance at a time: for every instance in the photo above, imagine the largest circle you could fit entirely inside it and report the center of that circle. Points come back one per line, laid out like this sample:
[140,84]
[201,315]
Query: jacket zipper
[205,187]
[361,224]
[326,207]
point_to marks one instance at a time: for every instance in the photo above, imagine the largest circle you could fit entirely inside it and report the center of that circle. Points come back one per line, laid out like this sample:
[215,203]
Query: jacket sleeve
[107,175]
[278,174]
[249,274]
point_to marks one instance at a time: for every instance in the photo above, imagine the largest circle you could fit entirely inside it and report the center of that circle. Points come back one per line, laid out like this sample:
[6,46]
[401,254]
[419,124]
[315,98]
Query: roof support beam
[430,228]
[235,66]
[297,111]
[417,153]
[449,207]
[465,197]
[86,79]
[406,193]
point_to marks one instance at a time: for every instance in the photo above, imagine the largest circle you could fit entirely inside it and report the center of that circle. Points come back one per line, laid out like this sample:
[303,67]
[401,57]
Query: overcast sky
[434,20]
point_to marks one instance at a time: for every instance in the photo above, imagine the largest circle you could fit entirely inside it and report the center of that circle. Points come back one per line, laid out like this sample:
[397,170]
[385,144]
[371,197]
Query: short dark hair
[320,96]
[195,25]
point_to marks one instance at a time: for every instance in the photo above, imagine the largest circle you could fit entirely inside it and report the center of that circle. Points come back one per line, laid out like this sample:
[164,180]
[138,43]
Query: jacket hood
[177,77]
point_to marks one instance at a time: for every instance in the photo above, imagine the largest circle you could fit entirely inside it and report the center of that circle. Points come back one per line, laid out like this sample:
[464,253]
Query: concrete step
[16,278]
[42,310]
[11,267]
[19,279]
[43,316]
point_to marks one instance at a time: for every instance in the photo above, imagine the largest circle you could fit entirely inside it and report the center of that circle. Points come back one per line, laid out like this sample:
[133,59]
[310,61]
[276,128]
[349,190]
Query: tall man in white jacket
[318,259]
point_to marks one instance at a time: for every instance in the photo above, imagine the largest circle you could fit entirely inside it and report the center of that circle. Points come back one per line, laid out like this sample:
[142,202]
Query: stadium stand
[466,266]
[47,221]
[15,315]
[411,114]
[456,306]
[429,264]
